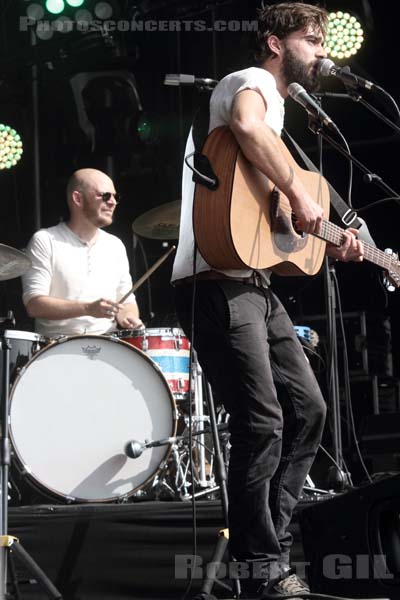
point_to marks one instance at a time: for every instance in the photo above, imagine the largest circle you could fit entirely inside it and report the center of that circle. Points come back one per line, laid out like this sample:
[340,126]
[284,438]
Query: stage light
[54,18]
[43,32]
[345,35]
[145,129]
[103,10]
[55,7]
[35,11]
[10,147]
[83,16]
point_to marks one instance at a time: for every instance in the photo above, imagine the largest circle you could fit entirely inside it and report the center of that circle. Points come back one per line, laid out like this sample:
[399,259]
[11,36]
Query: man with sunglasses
[79,272]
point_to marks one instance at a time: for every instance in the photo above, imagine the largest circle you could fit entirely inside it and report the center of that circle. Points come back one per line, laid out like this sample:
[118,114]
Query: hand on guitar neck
[348,247]
[351,248]
[248,222]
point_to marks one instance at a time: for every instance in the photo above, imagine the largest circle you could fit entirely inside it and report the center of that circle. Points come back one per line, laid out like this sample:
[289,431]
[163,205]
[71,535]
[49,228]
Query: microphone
[134,449]
[299,94]
[327,67]
[182,79]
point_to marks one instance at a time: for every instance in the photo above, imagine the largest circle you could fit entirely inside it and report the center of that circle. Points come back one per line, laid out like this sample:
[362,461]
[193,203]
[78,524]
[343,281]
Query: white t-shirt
[253,78]
[64,266]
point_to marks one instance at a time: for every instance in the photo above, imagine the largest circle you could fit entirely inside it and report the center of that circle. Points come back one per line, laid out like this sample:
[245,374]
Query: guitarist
[244,338]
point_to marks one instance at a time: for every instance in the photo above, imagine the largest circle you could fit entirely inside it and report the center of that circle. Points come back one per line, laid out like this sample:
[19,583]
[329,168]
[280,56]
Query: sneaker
[290,586]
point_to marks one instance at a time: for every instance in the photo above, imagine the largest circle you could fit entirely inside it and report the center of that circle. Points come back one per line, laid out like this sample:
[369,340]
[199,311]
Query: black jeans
[250,354]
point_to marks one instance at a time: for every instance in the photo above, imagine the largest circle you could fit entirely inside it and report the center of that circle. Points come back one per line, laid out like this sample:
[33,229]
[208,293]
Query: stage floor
[135,551]
[140,550]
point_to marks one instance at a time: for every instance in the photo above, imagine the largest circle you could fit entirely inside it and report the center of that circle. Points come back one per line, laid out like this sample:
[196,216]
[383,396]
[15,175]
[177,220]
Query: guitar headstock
[392,275]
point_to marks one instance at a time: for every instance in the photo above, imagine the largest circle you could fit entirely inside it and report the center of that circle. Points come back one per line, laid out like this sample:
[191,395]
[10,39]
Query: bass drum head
[73,409]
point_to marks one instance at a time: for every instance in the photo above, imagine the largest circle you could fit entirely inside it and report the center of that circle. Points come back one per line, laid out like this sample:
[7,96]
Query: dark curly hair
[284,18]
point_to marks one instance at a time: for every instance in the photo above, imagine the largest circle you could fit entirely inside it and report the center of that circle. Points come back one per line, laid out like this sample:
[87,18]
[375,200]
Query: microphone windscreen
[325,67]
[133,449]
[294,89]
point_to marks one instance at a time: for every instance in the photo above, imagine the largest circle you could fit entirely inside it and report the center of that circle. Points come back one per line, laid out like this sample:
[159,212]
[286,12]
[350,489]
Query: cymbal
[13,263]
[160,223]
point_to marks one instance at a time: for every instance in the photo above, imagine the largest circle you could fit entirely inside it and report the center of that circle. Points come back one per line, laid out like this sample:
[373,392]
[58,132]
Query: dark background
[148,172]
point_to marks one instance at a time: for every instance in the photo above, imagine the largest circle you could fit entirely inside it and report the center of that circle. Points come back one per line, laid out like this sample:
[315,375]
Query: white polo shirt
[66,267]
[253,78]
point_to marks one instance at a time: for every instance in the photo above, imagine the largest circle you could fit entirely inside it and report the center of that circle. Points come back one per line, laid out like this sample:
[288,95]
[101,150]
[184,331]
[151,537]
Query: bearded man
[245,341]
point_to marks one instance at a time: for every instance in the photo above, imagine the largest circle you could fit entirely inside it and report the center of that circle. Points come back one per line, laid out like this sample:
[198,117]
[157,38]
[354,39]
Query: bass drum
[72,411]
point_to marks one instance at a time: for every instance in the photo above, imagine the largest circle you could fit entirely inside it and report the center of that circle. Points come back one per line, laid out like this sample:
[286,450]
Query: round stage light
[103,10]
[35,11]
[75,3]
[55,7]
[83,17]
[145,129]
[44,32]
[10,147]
[344,36]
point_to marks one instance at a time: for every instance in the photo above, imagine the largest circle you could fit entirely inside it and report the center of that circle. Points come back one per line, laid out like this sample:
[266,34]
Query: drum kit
[81,406]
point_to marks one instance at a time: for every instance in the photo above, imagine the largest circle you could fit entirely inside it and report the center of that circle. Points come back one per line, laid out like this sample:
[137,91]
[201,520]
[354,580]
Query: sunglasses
[106,196]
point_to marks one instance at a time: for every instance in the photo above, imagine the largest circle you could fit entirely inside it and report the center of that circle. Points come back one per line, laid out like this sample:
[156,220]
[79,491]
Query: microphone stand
[316,128]
[357,97]
[337,476]
[8,543]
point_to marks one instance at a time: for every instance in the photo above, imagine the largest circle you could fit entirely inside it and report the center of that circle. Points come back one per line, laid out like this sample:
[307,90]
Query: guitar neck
[334,234]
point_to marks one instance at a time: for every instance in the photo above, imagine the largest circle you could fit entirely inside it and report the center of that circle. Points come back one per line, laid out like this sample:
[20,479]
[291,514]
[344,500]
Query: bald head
[88,180]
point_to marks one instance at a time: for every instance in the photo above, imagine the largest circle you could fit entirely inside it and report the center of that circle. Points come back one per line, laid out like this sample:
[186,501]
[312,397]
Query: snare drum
[169,348]
[74,408]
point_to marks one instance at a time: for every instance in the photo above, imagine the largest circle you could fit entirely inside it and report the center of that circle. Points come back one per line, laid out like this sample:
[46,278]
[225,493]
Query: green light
[10,147]
[144,130]
[345,35]
[75,3]
[55,7]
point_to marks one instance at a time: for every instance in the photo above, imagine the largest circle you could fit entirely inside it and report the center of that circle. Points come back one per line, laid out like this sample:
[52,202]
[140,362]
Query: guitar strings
[334,233]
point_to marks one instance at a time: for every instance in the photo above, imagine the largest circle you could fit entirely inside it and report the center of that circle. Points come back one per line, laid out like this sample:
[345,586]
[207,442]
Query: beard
[92,214]
[294,70]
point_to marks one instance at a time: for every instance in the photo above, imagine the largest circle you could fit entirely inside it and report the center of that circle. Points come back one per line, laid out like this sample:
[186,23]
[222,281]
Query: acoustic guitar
[248,223]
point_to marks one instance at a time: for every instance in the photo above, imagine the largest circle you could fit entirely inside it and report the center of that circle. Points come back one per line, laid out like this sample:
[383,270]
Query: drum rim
[28,336]
[176,332]
[41,486]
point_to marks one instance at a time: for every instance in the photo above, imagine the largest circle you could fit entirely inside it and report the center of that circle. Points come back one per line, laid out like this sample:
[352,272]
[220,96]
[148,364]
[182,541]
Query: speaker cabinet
[352,541]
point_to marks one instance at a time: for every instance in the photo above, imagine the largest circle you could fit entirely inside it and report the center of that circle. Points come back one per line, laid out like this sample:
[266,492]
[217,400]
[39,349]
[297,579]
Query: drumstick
[146,275]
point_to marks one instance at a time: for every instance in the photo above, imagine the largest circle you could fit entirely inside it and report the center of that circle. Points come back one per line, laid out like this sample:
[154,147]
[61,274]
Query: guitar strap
[200,127]
[202,169]
[346,214]
[201,122]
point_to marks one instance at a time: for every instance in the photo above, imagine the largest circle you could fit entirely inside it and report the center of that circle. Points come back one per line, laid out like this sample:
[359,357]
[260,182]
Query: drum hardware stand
[199,420]
[222,543]
[9,543]
[180,454]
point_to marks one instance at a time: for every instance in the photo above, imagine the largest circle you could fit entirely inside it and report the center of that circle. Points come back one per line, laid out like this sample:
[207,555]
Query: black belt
[254,279]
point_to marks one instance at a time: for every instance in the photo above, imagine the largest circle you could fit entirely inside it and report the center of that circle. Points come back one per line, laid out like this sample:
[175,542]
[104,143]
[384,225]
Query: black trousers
[249,352]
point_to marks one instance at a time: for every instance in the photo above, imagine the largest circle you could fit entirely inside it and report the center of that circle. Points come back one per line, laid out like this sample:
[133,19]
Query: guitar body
[246,222]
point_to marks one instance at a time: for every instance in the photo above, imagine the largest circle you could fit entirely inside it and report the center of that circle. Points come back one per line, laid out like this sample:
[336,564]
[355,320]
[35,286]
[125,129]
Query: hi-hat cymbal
[160,223]
[13,263]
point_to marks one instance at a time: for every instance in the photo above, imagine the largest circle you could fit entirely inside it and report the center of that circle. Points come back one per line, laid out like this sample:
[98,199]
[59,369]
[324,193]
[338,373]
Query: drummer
[79,272]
